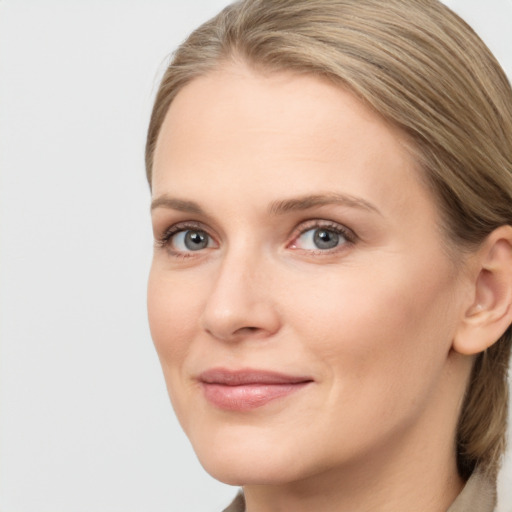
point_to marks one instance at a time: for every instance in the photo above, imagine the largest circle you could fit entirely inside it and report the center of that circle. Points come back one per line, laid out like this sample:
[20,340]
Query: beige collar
[478,495]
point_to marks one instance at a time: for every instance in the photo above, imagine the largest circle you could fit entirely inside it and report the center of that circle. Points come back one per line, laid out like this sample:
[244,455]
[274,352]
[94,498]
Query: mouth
[244,390]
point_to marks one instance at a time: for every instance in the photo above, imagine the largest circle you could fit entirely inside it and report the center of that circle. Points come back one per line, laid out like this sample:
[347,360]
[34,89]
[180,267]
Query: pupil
[325,239]
[196,240]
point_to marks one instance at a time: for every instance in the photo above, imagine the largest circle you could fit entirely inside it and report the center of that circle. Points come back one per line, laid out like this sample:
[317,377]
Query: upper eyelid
[163,237]
[164,220]
[185,225]
[307,225]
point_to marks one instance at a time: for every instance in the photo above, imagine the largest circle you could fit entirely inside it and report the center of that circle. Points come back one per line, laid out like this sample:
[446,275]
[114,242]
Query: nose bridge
[240,301]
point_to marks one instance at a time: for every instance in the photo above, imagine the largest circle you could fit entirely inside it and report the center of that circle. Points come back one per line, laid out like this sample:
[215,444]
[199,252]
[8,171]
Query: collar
[478,495]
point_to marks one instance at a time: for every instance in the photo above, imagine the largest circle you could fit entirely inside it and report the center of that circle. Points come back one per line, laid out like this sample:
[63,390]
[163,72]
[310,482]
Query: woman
[331,290]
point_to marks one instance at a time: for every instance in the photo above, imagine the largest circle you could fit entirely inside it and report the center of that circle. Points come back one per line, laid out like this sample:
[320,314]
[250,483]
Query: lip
[247,389]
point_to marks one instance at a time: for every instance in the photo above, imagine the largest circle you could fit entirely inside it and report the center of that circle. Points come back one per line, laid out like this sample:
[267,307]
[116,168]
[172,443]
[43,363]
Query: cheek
[173,316]
[381,339]
[390,322]
[173,313]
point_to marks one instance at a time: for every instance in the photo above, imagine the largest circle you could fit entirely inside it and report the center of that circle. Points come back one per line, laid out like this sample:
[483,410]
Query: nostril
[248,330]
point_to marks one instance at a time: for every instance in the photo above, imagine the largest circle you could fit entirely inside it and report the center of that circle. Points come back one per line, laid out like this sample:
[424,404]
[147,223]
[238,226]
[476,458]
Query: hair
[423,69]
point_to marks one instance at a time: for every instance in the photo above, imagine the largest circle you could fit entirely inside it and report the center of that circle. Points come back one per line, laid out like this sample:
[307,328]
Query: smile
[244,390]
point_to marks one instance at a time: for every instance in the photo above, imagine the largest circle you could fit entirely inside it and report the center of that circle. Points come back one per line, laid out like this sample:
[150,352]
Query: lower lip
[246,397]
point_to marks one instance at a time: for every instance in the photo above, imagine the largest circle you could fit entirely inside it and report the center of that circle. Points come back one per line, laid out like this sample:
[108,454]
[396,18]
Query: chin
[248,470]
[242,458]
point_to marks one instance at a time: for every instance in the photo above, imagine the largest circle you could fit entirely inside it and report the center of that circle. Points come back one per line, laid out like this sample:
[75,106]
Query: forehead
[236,101]
[264,133]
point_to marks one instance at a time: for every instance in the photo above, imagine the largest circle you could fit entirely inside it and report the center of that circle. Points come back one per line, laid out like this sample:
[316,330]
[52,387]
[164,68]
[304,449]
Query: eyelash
[334,227]
[164,241]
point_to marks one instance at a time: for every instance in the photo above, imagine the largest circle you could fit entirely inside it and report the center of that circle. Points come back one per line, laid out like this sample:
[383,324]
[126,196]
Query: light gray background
[85,423]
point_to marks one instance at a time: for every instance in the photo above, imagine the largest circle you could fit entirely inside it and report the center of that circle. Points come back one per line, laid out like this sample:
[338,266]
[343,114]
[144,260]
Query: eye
[181,240]
[321,238]
[190,240]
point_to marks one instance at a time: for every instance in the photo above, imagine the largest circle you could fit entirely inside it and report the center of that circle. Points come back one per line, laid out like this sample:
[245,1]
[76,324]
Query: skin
[371,321]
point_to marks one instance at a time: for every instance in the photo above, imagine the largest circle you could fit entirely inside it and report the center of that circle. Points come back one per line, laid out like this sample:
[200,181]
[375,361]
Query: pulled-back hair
[423,69]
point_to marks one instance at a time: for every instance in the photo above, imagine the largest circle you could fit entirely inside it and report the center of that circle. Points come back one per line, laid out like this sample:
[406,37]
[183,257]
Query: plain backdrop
[85,422]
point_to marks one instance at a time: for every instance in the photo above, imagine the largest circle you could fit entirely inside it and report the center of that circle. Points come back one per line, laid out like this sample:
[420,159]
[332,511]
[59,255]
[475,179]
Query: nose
[240,304]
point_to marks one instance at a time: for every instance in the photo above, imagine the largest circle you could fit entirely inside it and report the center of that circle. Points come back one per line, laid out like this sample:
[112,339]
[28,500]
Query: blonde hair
[423,69]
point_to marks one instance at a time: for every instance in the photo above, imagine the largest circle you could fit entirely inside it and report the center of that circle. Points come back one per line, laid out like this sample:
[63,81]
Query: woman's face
[300,298]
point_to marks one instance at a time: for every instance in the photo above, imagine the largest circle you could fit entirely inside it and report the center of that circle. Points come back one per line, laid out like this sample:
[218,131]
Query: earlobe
[490,313]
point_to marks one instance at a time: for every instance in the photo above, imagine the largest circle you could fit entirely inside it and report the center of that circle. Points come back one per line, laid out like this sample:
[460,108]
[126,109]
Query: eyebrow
[181,205]
[277,207]
[311,201]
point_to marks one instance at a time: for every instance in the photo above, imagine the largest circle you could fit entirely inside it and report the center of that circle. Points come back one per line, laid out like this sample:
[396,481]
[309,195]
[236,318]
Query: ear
[490,312]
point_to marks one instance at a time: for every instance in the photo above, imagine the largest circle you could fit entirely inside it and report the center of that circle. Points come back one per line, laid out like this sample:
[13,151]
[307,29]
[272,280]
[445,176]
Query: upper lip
[248,376]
